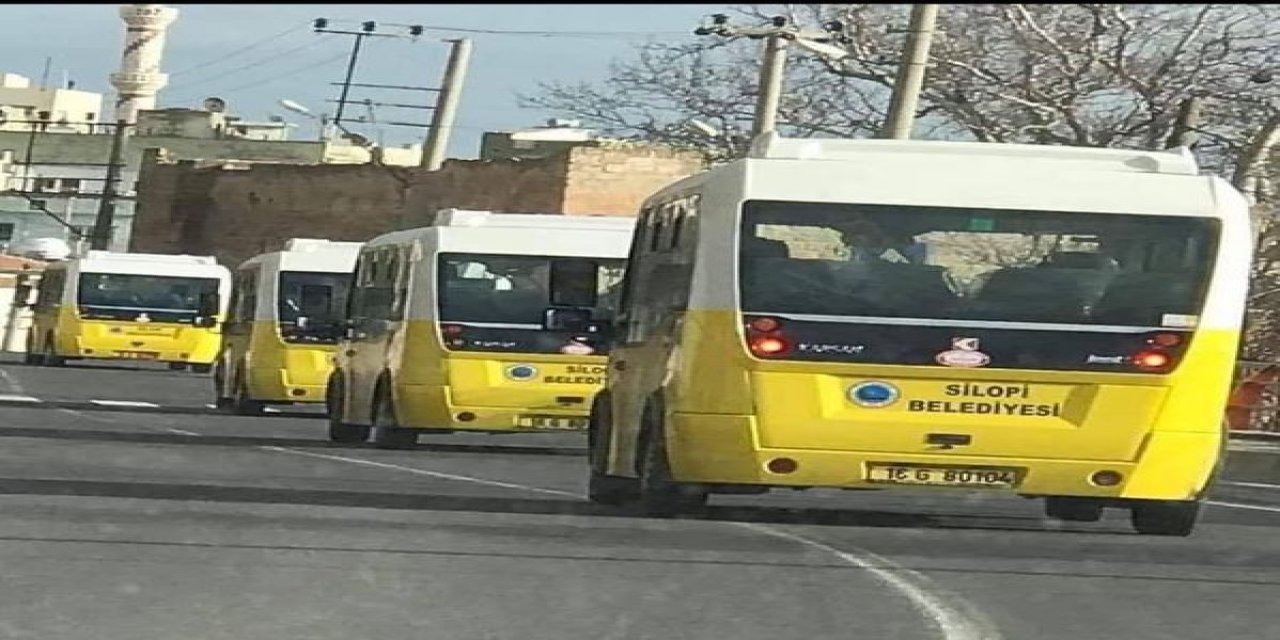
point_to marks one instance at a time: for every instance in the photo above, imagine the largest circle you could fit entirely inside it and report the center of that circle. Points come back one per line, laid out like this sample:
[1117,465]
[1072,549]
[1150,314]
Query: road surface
[132,511]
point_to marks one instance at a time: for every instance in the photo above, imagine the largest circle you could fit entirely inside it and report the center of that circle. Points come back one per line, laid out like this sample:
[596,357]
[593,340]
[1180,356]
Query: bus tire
[659,495]
[386,434]
[340,431]
[243,405]
[603,488]
[1165,517]
[1073,509]
[50,357]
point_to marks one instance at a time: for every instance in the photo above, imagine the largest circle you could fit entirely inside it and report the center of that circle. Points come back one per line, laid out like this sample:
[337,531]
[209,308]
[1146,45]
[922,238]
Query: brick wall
[235,212]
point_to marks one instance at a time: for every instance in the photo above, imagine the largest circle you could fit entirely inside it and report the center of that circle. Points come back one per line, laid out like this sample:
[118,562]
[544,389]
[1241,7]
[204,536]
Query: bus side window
[629,315]
[357,305]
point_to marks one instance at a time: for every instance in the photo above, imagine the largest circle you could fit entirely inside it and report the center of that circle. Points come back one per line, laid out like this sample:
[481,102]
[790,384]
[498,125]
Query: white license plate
[552,423]
[942,476]
[137,355]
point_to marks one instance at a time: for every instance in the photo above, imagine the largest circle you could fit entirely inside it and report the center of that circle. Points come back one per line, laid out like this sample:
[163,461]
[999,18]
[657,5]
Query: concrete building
[537,143]
[24,107]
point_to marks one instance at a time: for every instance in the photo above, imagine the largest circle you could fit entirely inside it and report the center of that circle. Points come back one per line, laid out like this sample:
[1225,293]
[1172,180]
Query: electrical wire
[308,67]
[257,63]
[545,34]
[241,50]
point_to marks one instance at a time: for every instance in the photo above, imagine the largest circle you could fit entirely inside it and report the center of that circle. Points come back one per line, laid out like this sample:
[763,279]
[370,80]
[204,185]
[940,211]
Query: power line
[256,63]
[286,73]
[545,34]
[244,49]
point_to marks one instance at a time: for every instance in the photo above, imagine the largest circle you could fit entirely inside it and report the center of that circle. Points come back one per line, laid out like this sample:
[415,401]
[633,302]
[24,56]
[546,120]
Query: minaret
[139,78]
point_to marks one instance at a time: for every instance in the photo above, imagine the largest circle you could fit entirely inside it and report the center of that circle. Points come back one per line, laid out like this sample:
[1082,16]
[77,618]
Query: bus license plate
[138,355]
[942,476]
[556,423]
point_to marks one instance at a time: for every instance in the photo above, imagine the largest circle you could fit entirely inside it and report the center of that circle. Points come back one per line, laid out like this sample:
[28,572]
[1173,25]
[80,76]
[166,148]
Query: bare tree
[1078,74]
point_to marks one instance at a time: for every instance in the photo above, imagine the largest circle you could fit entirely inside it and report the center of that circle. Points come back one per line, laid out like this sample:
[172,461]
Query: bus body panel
[59,322]
[274,369]
[434,385]
[726,413]
[280,372]
[431,385]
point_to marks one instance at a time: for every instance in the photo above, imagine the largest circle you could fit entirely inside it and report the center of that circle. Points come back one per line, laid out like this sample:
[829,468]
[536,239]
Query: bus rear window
[943,263]
[518,290]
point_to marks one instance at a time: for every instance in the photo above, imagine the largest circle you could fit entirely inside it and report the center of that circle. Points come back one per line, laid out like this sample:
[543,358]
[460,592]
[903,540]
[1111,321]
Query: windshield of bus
[499,294]
[311,305]
[941,263]
[127,296]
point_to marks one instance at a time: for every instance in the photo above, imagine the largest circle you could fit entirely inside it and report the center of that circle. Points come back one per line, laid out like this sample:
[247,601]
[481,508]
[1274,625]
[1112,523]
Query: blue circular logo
[874,395]
[522,372]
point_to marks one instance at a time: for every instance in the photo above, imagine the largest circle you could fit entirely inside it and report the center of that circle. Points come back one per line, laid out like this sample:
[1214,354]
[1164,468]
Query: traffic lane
[151,569]
[246,545]
[84,379]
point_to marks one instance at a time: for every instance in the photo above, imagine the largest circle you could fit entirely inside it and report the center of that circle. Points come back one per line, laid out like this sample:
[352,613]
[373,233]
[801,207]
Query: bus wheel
[1165,517]
[340,431]
[658,493]
[243,405]
[386,434]
[603,488]
[50,358]
[1073,509]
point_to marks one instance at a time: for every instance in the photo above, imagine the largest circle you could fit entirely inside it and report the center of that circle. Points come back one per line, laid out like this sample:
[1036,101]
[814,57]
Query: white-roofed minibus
[130,306]
[283,325]
[1051,322]
[483,322]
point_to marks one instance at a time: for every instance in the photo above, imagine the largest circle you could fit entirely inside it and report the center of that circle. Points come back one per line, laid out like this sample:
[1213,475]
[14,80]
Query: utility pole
[105,220]
[772,70]
[1184,129]
[367,30]
[446,109]
[776,35]
[910,78]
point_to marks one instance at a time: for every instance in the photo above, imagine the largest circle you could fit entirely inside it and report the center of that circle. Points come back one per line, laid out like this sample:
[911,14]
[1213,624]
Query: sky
[254,55]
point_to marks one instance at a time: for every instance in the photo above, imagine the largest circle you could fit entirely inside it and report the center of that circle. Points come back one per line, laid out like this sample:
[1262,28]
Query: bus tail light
[1165,340]
[451,329]
[1151,360]
[769,345]
[765,325]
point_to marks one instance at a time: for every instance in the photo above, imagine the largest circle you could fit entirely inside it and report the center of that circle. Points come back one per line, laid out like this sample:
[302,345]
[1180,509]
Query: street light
[301,109]
[829,51]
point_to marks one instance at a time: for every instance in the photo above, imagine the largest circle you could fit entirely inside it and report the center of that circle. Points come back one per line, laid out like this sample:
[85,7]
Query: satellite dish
[215,105]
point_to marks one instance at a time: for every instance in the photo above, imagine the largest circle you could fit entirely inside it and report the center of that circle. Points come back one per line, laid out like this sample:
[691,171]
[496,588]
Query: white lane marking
[125,403]
[423,472]
[1237,505]
[183,432]
[14,397]
[1256,485]
[11,381]
[951,619]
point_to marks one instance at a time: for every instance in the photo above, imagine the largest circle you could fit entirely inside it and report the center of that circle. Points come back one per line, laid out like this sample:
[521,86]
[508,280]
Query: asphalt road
[131,511]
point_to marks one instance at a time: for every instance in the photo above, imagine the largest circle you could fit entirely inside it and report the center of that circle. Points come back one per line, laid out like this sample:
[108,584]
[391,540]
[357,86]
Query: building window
[46,184]
[91,116]
[38,205]
[6,232]
[71,185]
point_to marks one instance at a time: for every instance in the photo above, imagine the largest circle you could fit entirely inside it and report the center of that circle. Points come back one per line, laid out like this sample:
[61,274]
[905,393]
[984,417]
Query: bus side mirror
[348,329]
[207,310]
[566,319]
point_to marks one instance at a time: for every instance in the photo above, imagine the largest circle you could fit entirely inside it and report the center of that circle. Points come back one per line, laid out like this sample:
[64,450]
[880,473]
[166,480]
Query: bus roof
[149,264]
[475,218]
[1177,161]
[310,254]
[518,234]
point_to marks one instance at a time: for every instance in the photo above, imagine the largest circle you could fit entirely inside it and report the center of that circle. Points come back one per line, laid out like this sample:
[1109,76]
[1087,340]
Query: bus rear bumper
[430,407]
[722,450]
